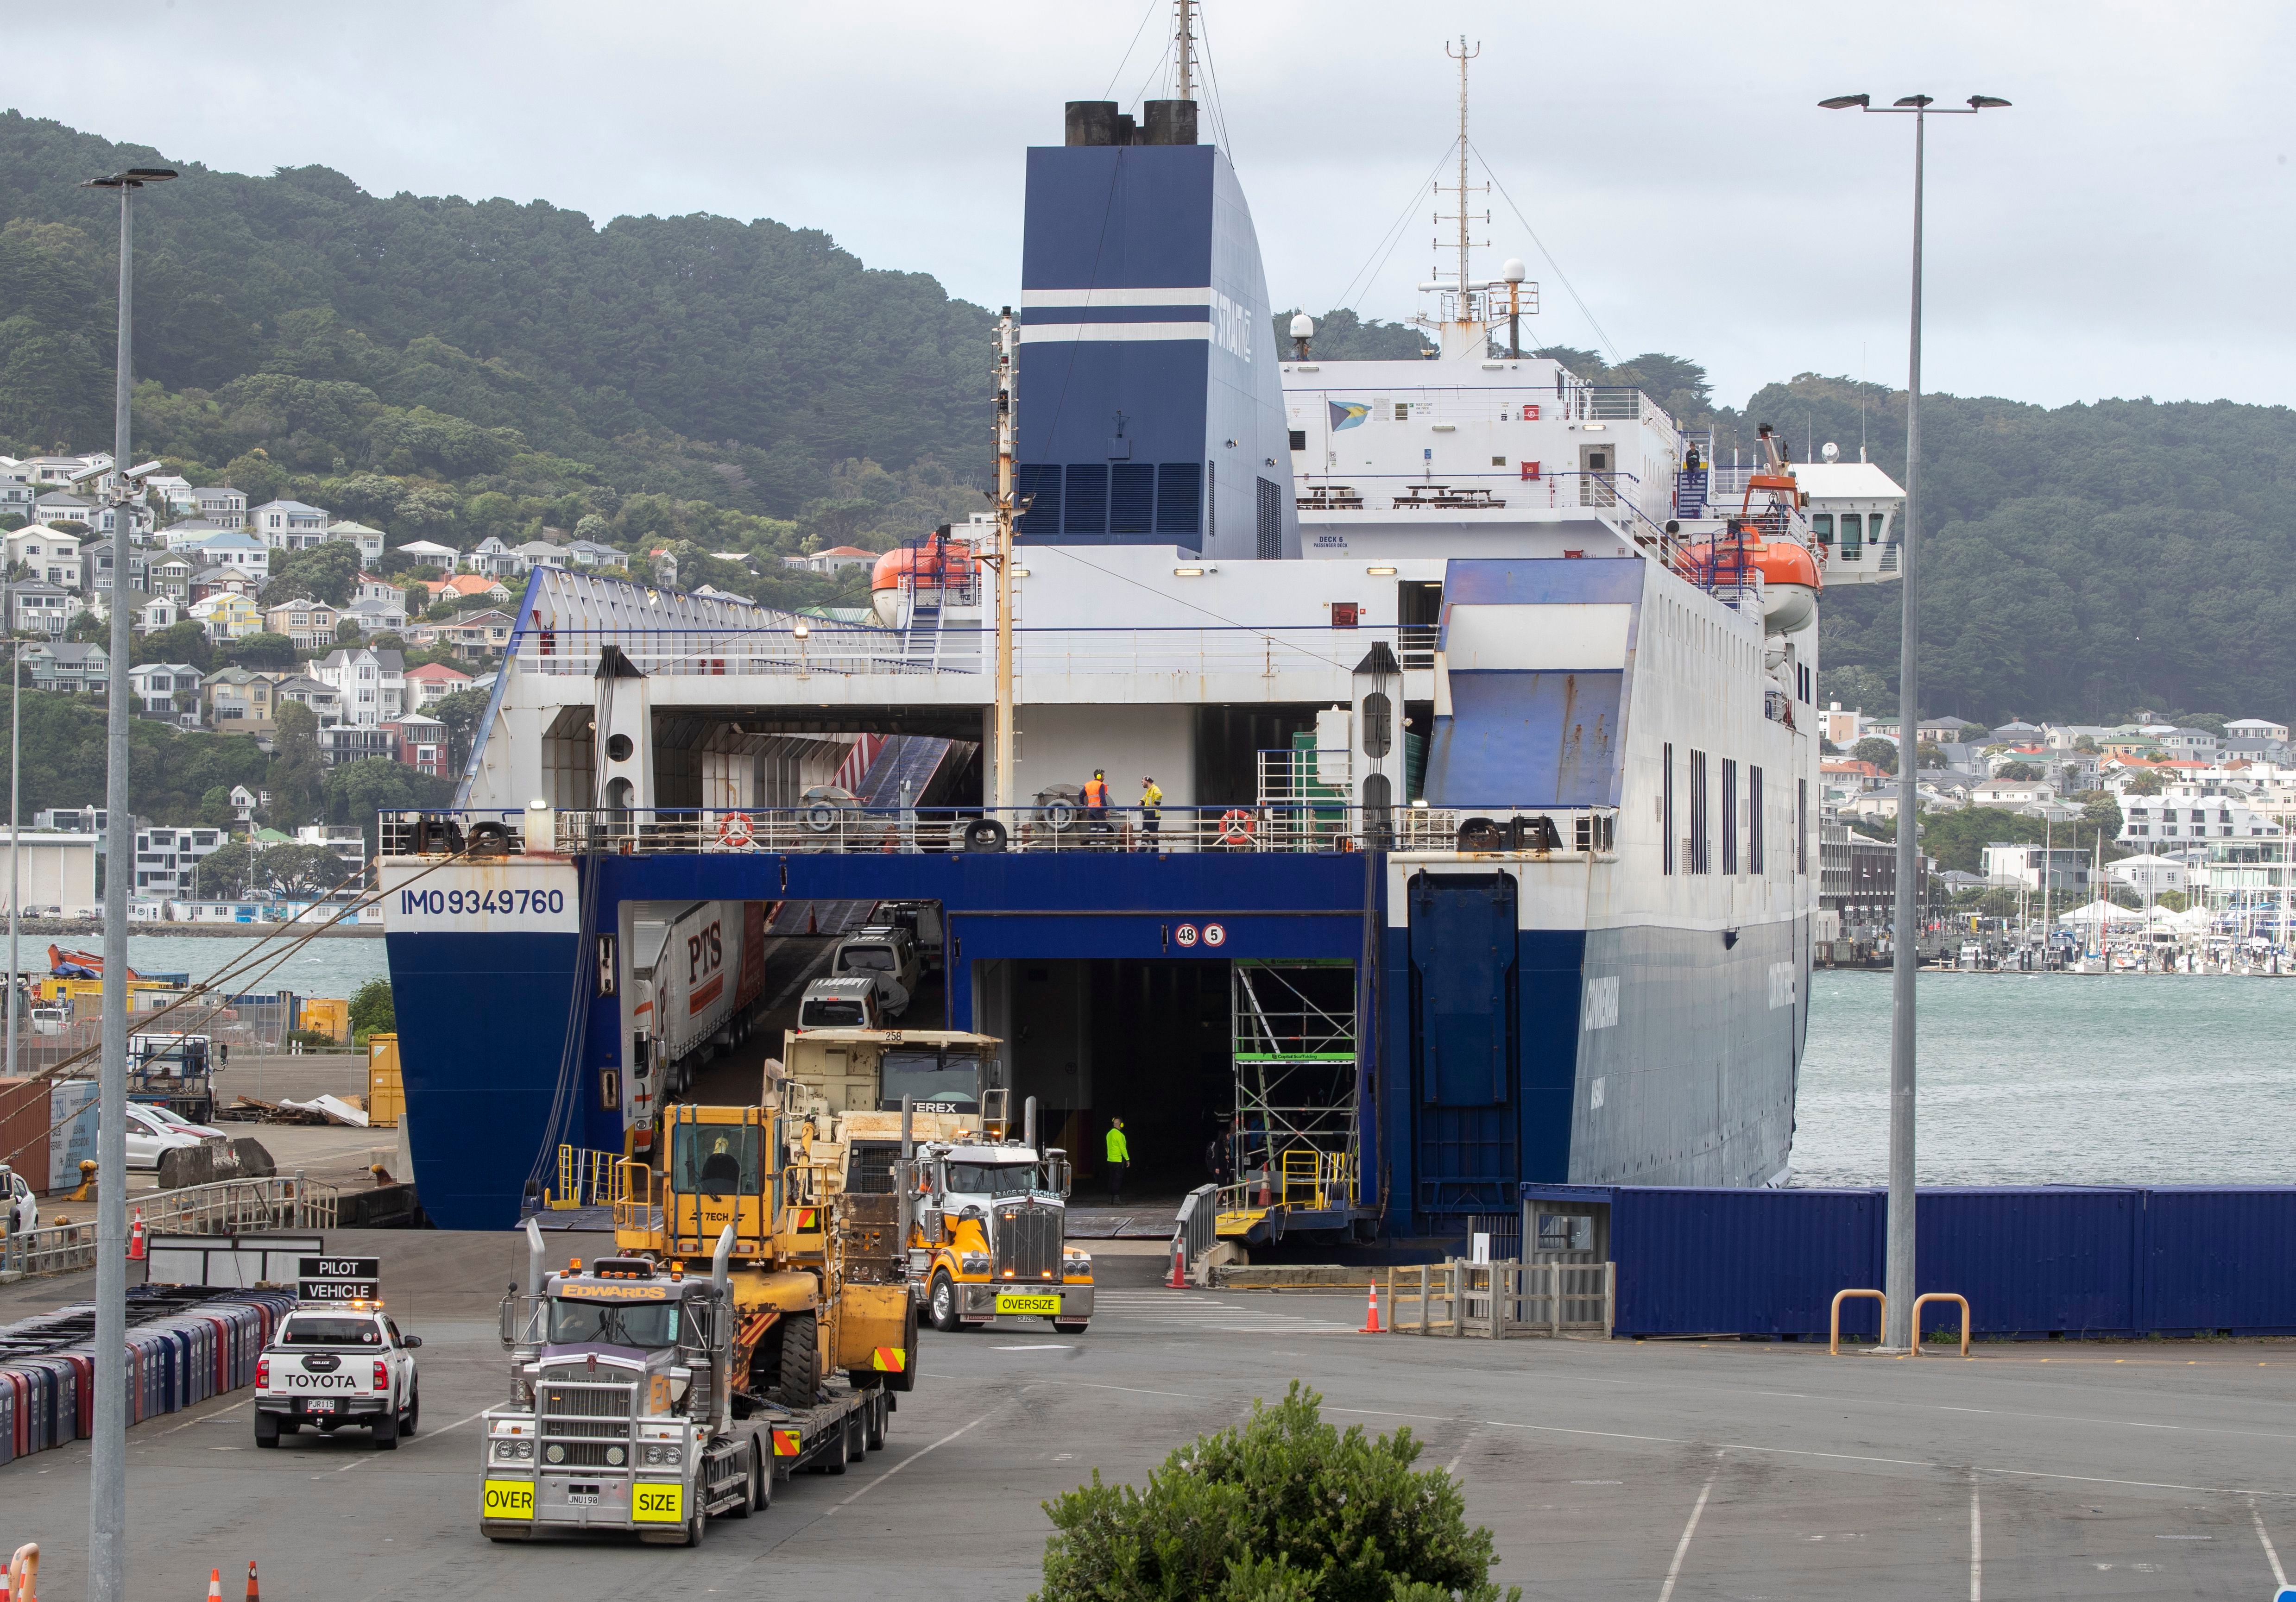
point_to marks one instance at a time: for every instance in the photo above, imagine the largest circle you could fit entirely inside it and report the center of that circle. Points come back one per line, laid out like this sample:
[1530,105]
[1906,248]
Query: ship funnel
[1167,122]
[1092,122]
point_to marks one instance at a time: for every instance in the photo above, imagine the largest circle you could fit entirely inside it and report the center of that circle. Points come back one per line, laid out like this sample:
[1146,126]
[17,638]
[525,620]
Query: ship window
[1698,798]
[1850,530]
[1754,821]
[1666,812]
[1822,523]
[1499,461]
[1298,439]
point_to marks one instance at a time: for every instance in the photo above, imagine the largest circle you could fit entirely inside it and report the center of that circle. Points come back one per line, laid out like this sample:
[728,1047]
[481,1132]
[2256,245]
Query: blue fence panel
[2032,1260]
[2220,1258]
[1685,1266]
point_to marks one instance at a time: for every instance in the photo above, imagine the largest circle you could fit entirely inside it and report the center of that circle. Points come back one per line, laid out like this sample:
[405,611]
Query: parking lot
[1644,1470]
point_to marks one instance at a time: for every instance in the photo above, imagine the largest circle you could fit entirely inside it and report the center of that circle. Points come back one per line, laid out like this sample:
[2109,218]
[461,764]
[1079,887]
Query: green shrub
[1285,1508]
[371,1009]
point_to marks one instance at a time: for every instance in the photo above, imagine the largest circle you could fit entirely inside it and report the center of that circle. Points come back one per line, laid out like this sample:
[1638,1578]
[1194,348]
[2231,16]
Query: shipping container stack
[183,1347]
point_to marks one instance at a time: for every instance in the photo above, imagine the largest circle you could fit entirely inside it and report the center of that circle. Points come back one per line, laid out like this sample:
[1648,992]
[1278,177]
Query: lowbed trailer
[627,1414]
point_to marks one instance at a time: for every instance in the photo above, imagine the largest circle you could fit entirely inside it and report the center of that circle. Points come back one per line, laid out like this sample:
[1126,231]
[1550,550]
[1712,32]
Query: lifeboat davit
[935,565]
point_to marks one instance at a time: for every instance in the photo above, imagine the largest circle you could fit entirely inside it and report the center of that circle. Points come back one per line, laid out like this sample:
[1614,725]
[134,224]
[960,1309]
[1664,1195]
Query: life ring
[735,830]
[1236,827]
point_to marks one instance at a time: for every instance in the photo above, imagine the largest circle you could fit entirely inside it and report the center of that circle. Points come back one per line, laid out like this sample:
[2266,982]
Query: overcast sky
[2124,229]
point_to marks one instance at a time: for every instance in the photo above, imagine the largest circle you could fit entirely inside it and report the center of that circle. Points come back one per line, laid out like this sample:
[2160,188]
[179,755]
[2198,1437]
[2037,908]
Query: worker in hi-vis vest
[1120,1161]
[1095,798]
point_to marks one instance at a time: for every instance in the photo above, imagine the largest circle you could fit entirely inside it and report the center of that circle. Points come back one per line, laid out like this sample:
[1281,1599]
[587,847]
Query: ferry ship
[1458,717]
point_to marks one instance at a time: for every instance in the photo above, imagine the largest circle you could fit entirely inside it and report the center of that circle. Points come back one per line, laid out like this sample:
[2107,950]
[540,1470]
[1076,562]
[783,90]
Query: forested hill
[448,369]
[455,347]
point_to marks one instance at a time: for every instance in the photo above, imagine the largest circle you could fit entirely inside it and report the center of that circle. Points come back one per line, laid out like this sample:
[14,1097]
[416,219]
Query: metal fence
[1196,1228]
[1502,1301]
[223,1208]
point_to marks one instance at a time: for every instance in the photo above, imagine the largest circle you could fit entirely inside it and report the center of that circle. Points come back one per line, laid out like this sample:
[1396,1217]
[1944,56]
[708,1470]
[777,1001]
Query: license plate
[657,1504]
[509,1498]
[1043,1307]
[320,1406]
[584,1496]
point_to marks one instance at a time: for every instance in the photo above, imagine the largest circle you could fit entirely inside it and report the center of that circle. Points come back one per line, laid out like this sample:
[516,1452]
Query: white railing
[223,1209]
[963,648]
[1055,824]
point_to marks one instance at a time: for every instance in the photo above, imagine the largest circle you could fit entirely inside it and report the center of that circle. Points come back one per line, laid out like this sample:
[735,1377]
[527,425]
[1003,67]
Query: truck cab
[885,955]
[990,1237]
[335,1363]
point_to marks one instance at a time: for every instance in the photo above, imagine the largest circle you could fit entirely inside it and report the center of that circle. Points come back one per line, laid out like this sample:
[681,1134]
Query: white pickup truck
[336,1364]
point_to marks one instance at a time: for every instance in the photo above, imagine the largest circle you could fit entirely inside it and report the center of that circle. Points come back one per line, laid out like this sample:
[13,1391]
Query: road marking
[1682,1546]
[2279,1574]
[1452,1467]
[211,1417]
[904,1462]
[442,1429]
[1128,1390]
[1976,1547]
[1050,1348]
[1838,1457]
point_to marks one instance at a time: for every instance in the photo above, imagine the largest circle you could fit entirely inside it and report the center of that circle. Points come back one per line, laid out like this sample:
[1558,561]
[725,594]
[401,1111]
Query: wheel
[413,1411]
[873,1425]
[907,1379]
[695,1528]
[857,1433]
[800,1372]
[1071,1325]
[943,1301]
[749,1501]
[267,1432]
[833,1459]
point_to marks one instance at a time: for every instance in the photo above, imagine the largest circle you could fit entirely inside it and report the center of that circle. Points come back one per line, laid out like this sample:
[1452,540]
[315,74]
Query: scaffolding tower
[1295,1141]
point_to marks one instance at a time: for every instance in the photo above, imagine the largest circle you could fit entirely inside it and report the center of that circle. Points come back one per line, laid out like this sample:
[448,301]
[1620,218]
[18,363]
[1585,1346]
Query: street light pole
[106,1501]
[1898,1332]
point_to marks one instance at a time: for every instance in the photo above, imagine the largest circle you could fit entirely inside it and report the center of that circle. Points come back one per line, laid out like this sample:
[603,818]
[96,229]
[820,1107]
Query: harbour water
[2055,1079]
[325,967]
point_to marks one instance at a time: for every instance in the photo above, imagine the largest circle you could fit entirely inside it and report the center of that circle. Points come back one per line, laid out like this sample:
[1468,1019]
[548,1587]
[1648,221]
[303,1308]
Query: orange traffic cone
[1371,1319]
[214,1585]
[1178,1281]
[253,1595]
[136,1238]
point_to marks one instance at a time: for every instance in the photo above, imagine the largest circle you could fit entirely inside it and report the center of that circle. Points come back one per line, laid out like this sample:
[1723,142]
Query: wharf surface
[1607,1470]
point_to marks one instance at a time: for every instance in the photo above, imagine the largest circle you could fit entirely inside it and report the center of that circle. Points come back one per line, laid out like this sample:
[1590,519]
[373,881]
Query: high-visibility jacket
[1096,792]
[1118,1149]
[1152,795]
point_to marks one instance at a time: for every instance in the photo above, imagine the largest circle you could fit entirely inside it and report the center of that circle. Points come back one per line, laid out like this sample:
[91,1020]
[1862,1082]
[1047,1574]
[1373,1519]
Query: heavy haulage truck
[909,1129]
[723,1347]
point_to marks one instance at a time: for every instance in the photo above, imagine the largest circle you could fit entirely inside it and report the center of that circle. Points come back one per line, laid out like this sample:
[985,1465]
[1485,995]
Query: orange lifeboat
[938,564]
[1791,583]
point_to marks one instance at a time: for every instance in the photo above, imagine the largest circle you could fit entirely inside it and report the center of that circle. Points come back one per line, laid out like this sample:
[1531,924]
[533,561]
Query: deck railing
[1308,827]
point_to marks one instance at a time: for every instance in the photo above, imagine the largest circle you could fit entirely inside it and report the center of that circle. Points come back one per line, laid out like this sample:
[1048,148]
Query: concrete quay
[1653,1470]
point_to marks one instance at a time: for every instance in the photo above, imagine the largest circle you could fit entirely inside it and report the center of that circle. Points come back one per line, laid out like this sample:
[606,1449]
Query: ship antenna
[1184,48]
[1463,58]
